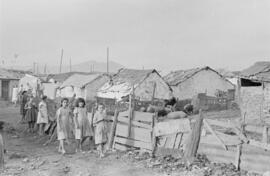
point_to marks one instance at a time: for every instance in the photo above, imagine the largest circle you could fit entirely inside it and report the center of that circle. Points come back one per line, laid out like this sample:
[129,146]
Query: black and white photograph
[134,87]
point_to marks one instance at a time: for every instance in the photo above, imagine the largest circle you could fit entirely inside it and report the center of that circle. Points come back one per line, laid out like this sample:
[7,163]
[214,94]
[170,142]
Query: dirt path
[28,157]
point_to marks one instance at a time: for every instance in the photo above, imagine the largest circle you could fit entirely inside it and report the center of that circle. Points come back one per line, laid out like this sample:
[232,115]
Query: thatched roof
[176,77]
[131,76]
[61,77]
[79,80]
[258,71]
[10,74]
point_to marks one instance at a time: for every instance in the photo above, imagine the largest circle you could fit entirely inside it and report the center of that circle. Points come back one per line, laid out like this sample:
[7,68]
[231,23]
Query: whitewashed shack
[188,83]
[84,86]
[31,83]
[254,93]
[9,80]
[147,85]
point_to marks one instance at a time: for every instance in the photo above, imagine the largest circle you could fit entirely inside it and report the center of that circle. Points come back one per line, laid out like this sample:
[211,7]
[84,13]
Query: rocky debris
[169,164]
[17,156]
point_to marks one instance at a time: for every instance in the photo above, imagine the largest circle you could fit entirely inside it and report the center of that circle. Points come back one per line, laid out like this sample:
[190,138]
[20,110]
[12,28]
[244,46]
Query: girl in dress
[31,114]
[82,126]
[100,129]
[63,123]
[42,118]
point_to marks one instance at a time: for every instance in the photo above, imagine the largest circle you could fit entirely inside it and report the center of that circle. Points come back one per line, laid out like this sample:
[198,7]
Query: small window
[249,83]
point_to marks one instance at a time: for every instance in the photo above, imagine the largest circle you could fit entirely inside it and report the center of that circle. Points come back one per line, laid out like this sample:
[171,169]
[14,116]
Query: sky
[161,34]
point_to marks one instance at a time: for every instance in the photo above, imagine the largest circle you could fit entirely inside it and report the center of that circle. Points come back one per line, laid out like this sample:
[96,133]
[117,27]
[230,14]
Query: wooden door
[5,90]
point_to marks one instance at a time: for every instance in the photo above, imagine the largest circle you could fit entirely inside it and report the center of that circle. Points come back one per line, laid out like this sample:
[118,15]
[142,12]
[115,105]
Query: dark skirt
[31,115]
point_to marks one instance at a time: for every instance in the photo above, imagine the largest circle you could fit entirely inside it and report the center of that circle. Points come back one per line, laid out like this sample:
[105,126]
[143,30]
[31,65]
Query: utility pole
[60,69]
[70,65]
[108,60]
[45,68]
[34,66]
[37,68]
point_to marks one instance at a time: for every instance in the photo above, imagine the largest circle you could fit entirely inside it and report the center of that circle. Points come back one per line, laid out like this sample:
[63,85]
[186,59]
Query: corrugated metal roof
[259,71]
[79,80]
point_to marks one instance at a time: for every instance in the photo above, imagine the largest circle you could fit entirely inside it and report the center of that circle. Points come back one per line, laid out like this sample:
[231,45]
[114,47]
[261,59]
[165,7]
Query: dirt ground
[27,156]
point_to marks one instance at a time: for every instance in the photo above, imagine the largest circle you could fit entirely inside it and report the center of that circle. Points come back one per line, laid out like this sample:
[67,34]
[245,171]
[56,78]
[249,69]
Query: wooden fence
[225,142]
[135,132]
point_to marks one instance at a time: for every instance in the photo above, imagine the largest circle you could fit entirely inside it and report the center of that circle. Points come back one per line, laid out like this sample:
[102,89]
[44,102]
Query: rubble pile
[169,164]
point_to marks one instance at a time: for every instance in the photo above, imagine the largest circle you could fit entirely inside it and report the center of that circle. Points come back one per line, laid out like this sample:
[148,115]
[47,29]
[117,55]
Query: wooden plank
[134,143]
[118,146]
[170,141]
[265,134]
[124,113]
[112,131]
[229,140]
[194,140]
[172,127]
[143,116]
[136,133]
[134,123]
[220,123]
[238,156]
[178,140]
[214,134]
[258,144]
[2,148]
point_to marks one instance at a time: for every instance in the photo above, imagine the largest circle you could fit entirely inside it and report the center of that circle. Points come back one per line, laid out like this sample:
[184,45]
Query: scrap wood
[264,146]
[215,134]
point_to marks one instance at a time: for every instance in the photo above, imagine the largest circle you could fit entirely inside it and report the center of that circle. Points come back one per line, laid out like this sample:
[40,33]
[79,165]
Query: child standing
[82,126]
[100,129]
[31,113]
[42,118]
[63,123]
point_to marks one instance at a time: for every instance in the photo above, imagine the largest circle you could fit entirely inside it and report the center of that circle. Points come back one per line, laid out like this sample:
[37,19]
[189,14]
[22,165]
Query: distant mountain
[81,67]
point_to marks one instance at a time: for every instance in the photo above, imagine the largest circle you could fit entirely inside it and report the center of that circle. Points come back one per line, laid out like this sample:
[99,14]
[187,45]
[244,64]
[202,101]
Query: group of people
[68,119]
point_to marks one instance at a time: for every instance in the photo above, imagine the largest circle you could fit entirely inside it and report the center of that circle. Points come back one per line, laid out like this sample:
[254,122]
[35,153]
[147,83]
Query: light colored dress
[63,119]
[100,127]
[42,113]
[83,128]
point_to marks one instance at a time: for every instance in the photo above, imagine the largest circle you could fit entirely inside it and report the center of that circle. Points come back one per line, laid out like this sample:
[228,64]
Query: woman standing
[99,122]
[82,126]
[31,114]
[63,124]
[23,100]
[42,118]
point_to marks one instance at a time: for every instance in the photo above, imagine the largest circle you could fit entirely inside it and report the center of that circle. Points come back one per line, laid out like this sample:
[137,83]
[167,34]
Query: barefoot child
[31,114]
[42,118]
[82,125]
[100,129]
[62,119]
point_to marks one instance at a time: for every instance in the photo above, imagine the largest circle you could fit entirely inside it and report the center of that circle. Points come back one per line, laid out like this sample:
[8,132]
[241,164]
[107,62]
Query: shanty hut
[31,83]
[254,93]
[84,86]
[146,84]
[8,81]
[188,83]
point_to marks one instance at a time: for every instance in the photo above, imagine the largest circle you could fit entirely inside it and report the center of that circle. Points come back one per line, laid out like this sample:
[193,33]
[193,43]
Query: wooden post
[112,134]
[239,150]
[265,135]
[2,148]
[194,140]
[154,91]
[131,109]
[154,138]
[238,156]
